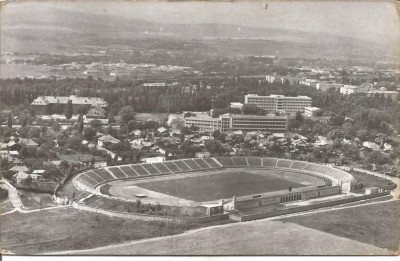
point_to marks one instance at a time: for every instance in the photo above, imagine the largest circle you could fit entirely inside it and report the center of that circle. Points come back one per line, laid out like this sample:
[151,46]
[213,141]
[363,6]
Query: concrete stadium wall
[213,218]
[237,217]
[267,200]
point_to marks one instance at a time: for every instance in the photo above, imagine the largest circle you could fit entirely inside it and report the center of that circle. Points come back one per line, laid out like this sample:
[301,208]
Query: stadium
[225,185]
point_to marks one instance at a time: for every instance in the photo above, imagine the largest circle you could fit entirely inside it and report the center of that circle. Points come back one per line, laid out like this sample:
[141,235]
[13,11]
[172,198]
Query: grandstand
[240,161]
[254,161]
[93,178]
[270,162]
[284,163]
[118,172]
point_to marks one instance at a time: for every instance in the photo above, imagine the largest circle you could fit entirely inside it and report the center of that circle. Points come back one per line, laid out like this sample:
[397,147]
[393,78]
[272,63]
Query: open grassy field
[377,224]
[218,186]
[159,117]
[370,180]
[131,207]
[260,237]
[32,200]
[65,229]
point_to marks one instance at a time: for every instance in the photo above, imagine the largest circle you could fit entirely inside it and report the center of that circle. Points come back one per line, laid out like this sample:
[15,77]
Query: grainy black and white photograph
[200,128]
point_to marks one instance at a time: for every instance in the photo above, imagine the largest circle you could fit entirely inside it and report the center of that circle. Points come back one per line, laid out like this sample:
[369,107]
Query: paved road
[16,200]
[12,194]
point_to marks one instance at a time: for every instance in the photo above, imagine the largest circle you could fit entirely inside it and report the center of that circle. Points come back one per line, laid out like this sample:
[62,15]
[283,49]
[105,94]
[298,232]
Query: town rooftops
[93,101]
[96,112]
[19,168]
[108,138]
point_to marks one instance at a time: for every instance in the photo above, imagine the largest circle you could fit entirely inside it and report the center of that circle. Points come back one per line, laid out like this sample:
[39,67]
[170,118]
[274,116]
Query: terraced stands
[129,171]
[284,163]
[226,162]
[172,166]
[298,165]
[202,163]
[139,170]
[151,169]
[269,162]
[87,180]
[182,165]
[254,161]
[93,178]
[117,172]
[161,167]
[240,161]
[192,164]
[104,174]
[311,167]
[341,175]
[323,169]
[212,162]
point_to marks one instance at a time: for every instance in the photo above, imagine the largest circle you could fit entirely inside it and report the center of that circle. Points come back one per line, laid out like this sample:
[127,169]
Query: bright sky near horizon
[371,21]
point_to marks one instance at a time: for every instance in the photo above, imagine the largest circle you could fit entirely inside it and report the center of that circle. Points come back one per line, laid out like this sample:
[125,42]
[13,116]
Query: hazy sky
[372,21]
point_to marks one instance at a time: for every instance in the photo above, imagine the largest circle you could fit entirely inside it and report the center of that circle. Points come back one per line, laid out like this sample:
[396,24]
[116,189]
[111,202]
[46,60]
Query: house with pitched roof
[56,104]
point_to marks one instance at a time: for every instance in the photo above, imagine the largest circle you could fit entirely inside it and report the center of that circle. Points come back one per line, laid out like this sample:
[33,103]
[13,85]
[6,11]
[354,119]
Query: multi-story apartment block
[234,122]
[275,103]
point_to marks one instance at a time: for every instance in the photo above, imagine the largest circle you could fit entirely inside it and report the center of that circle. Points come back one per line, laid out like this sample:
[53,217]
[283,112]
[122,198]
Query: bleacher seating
[225,161]
[212,162]
[311,167]
[192,164]
[202,163]
[139,170]
[269,162]
[298,165]
[284,163]
[323,169]
[117,172]
[129,171]
[254,161]
[161,167]
[151,169]
[93,178]
[104,174]
[240,161]
[182,165]
[172,166]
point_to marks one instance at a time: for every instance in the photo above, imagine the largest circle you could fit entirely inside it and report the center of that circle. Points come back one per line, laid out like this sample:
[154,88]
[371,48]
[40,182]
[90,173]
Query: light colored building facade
[275,103]
[325,86]
[56,104]
[311,111]
[392,94]
[235,122]
[351,89]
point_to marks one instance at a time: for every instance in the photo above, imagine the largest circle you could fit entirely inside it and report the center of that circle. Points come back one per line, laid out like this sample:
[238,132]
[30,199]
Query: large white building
[350,89]
[325,86]
[234,122]
[275,102]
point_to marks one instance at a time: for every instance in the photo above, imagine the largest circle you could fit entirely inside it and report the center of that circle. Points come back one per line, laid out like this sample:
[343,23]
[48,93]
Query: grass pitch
[219,186]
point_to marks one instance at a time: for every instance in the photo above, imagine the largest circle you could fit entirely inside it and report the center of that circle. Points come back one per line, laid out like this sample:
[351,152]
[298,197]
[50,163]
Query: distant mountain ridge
[76,28]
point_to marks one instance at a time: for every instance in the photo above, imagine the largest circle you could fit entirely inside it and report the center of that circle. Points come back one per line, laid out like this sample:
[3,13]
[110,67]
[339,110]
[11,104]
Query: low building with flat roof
[276,102]
[311,111]
[238,122]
